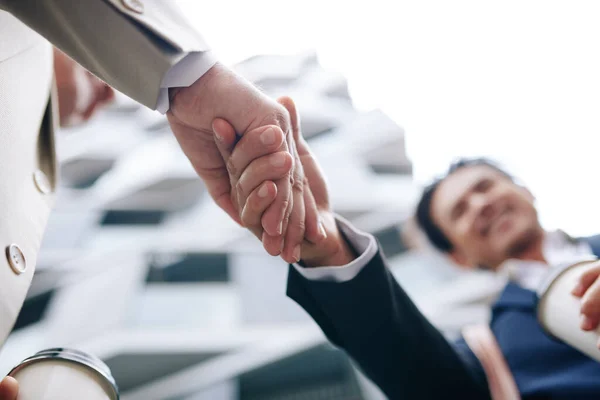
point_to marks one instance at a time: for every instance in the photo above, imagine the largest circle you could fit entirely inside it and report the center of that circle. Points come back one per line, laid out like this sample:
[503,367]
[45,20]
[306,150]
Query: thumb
[225,137]
[9,388]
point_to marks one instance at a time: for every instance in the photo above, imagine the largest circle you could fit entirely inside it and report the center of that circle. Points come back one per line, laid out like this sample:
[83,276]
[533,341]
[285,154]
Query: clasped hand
[256,162]
[248,150]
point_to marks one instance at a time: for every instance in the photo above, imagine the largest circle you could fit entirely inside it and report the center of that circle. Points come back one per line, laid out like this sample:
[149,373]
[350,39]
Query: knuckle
[300,227]
[276,115]
[282,116]
[231,168]
[297,184]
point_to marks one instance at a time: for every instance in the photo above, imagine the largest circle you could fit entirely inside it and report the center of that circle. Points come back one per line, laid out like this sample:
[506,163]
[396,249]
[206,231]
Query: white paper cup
[559,311]
[64,374]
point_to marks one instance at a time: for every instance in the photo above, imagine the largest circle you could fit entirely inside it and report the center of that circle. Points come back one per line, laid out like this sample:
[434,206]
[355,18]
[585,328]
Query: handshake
[249,151]
[265,178]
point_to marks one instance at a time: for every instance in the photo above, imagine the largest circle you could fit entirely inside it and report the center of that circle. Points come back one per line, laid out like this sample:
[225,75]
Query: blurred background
[140,268]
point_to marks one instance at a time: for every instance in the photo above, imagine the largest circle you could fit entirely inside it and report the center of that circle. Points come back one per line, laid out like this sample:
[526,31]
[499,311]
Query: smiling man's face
[487,217]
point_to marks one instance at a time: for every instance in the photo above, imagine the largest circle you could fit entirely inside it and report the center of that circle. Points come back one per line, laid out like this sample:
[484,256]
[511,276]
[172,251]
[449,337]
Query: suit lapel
[513,296]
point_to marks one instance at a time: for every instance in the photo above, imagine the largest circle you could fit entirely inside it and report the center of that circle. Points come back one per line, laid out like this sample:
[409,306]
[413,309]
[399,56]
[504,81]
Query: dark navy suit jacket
[376,323]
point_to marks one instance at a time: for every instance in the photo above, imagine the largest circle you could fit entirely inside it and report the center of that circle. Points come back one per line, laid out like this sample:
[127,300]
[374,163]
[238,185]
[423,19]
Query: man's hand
[220,93]
[9,388]
[80,93]
[255,189]
[588,289]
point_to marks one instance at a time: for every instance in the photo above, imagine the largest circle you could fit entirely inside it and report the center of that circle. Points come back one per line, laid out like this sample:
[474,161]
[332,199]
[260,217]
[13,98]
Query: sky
[517,81]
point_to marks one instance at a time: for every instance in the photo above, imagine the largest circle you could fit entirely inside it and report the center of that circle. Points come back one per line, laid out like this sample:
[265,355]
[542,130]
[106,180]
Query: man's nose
[482,205]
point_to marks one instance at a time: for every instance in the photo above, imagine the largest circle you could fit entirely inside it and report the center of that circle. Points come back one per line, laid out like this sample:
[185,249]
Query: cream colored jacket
[130,44]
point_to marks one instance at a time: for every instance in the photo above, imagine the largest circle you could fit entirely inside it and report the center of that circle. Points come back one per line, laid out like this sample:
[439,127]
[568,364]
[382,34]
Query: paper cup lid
[75,356]
[558,271]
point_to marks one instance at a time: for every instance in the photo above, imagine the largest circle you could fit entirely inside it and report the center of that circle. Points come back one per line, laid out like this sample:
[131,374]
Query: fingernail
[280,228]
[278,159]
[296,253]
[585,323]
[263,191]
[217,136]
[322,229]
[577,289]
[268,137]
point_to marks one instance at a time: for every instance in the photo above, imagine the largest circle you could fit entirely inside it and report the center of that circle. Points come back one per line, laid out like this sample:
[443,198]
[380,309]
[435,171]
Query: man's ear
[460,259]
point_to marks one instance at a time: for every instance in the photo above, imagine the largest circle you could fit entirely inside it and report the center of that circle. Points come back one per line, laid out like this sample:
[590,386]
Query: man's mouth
[499,222]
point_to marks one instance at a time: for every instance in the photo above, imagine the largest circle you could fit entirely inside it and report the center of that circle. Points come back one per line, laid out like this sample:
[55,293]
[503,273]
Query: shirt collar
[558,248]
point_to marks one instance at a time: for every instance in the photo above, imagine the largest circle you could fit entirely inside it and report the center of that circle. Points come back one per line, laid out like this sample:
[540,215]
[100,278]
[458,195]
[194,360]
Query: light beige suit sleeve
[130,44]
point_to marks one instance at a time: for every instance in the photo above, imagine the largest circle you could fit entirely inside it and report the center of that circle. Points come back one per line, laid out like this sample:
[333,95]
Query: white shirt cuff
[183,74]
[363,243]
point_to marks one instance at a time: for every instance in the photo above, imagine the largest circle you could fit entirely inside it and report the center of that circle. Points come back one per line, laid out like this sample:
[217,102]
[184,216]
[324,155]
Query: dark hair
[423,214]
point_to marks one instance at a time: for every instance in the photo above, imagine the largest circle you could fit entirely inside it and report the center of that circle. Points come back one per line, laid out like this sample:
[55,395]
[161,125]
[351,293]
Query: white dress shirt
[183,74]
[557,249]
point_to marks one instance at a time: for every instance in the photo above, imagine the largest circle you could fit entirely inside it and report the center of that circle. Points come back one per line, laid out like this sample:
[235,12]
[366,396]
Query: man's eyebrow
[461,198]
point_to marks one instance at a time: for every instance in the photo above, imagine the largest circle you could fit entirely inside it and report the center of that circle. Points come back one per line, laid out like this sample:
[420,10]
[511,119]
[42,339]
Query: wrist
[334,251]
[221,93]
[205,81]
